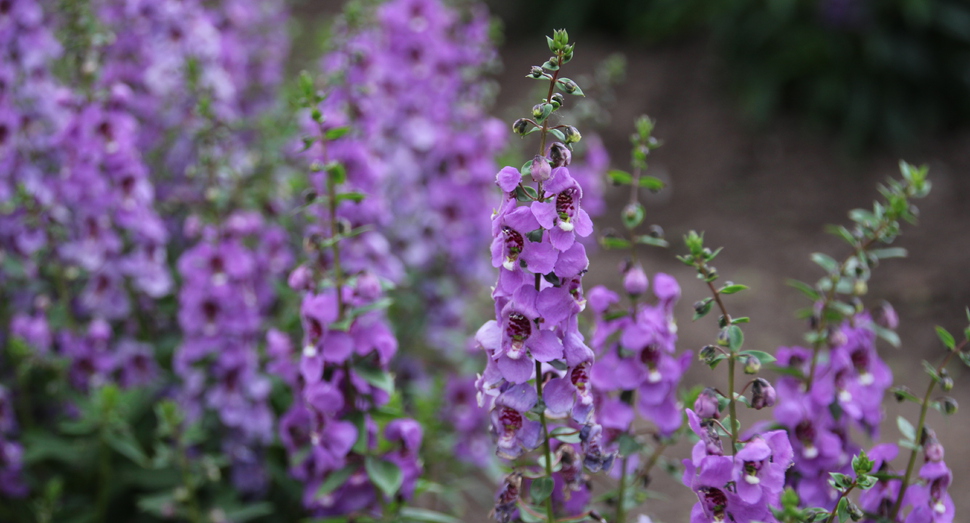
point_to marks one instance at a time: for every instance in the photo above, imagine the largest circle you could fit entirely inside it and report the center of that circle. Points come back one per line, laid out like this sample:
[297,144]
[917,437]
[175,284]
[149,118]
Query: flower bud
[886,316]
[900,393]
[854,511]
[572,134]
[520,126]
[656,231]
[537,111]
[536,72]
[557,100]
[762,394]
[540,169]
[948,405]
[706,405]
[708,353]
[751,364]
[568,85]
[723,337]
[560,155]
[946,381]
[932,448]
[635,281]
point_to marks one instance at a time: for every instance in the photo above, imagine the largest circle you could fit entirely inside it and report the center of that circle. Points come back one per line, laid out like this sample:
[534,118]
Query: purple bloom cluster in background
[224,303]
[414,80]
[342,379]
[846,393]
[635,355]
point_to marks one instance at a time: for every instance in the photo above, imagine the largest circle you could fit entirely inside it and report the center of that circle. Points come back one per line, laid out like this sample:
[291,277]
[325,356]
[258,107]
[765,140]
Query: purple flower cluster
[635,352]
[846,392]
[924,502]
[343,372]
[178,56]
[741,487]
[538,297]
[414,79]
[223,306]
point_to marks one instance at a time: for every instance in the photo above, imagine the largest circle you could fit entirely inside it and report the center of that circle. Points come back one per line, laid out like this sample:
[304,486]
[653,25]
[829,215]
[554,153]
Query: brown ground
[766,196]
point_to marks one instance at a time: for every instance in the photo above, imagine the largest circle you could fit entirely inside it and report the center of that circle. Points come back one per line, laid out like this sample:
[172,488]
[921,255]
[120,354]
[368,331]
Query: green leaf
[764,357]
[428,516]
[565,434]
[618,177]
[385,475]
[843,510]
[646,239]
[945,337]
[742,319]
[558,134]
[541,489]
[651,183]
[732,289]
[906,428]
[375,377]
[612,242]
[337,132]
[805,288]
[703,309]
[735,337]
[124,443]
[826,262]
[887,334]
[931,370]
[337,172]
[905,394]
[355,197]
[334,480]
[890,252]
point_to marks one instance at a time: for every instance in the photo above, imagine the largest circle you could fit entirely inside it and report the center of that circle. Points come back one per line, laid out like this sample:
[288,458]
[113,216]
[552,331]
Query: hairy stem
[546,448]
[621,496]
[732,404]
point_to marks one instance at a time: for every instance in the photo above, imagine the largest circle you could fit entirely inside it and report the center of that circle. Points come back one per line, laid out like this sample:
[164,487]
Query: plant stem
[552,88]
[621,501]
[732,404]
[842,495]
[195,516]
[924,408]
[546,449]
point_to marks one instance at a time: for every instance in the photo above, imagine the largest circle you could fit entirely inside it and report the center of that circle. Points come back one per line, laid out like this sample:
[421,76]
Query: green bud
[723,338]
[707,353]
[751,364]
[520,126]
[557,100]
[948,405]
[572,134]
[536,72]
[946,381]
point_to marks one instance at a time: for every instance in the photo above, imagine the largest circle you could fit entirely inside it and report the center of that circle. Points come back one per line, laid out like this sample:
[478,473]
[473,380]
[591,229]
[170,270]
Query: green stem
[104,479]
[835,511]
[732,404]
[621,501]
[552,88]
[924,408]
[546,449]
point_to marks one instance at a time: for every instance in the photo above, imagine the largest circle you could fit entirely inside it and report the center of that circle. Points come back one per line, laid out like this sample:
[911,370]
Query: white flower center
[810,452]
[845,396]
[751,479]
[509,264]
[566,226]
[866,378]
[654,376]
[310,351]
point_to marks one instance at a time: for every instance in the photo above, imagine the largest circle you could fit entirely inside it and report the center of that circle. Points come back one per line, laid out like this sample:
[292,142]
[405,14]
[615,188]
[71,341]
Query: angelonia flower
[741,487]
[201,73]
[413,77]
[926,501]
[224,303]
[342,375]
[846,393]
[636,371]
